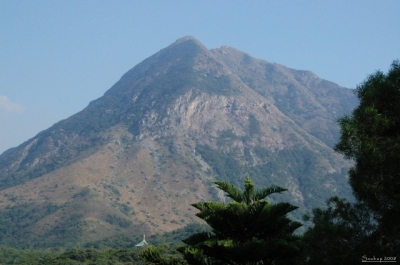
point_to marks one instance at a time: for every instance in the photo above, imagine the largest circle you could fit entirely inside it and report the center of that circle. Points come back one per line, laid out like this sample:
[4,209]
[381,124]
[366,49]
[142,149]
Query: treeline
[70,257]
[119,249]
[17,227]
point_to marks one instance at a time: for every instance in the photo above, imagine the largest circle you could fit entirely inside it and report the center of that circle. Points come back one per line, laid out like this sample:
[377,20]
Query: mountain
[134,160]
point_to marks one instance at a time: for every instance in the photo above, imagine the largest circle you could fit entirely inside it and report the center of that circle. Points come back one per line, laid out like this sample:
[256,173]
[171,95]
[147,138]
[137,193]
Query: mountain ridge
[136,158]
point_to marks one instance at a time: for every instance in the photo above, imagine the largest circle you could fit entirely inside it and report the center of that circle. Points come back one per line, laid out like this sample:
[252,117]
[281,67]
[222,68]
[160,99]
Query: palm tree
[247,230]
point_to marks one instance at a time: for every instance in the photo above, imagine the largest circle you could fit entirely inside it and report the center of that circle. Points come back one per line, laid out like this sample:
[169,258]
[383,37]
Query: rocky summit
[134,160]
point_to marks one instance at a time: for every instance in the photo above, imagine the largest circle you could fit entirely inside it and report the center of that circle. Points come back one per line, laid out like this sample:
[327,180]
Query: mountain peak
[189,39]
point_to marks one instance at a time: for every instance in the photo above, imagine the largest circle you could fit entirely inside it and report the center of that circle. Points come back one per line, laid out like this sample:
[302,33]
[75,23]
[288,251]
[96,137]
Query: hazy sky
[56,56]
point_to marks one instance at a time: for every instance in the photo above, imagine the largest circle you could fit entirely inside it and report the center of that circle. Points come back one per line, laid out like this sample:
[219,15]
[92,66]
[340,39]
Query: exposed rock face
[135,159]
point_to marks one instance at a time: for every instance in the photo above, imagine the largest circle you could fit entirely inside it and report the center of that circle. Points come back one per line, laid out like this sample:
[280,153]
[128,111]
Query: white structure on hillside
[142,243]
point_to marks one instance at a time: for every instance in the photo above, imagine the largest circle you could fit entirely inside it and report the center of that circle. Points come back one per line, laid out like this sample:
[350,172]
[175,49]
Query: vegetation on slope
[118,249]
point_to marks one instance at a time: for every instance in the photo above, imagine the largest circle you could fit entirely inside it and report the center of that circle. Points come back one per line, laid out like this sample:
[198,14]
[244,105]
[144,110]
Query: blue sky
[57,56]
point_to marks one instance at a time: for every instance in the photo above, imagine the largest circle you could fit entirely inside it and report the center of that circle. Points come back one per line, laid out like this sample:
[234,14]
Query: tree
[247,230]
[371,137]
[341,234]
[163,255]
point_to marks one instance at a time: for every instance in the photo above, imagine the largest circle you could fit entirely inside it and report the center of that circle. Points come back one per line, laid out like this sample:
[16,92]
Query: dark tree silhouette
[247,230]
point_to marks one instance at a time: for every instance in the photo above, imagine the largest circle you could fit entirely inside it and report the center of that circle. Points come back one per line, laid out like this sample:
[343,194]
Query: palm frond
[233,192]
[260,194]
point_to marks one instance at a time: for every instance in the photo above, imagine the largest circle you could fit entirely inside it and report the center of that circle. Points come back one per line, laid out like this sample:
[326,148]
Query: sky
[57,56]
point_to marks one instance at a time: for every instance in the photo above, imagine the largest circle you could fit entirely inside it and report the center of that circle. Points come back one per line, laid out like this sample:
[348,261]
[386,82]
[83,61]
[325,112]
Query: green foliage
[248,230]
[341,234]
[125,209]
[15,256]
[66,233]
[113,219]
[371,137]
[172,238]
[91,256]
[70,257]
[123,250]
[226,137]
[162,254]
[83,193]
[16,223]
[113,189]
[225,167]
[254,125]
[249,195]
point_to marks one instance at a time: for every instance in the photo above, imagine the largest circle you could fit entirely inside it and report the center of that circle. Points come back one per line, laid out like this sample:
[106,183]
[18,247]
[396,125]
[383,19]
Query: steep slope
[313,103]
[135,159]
